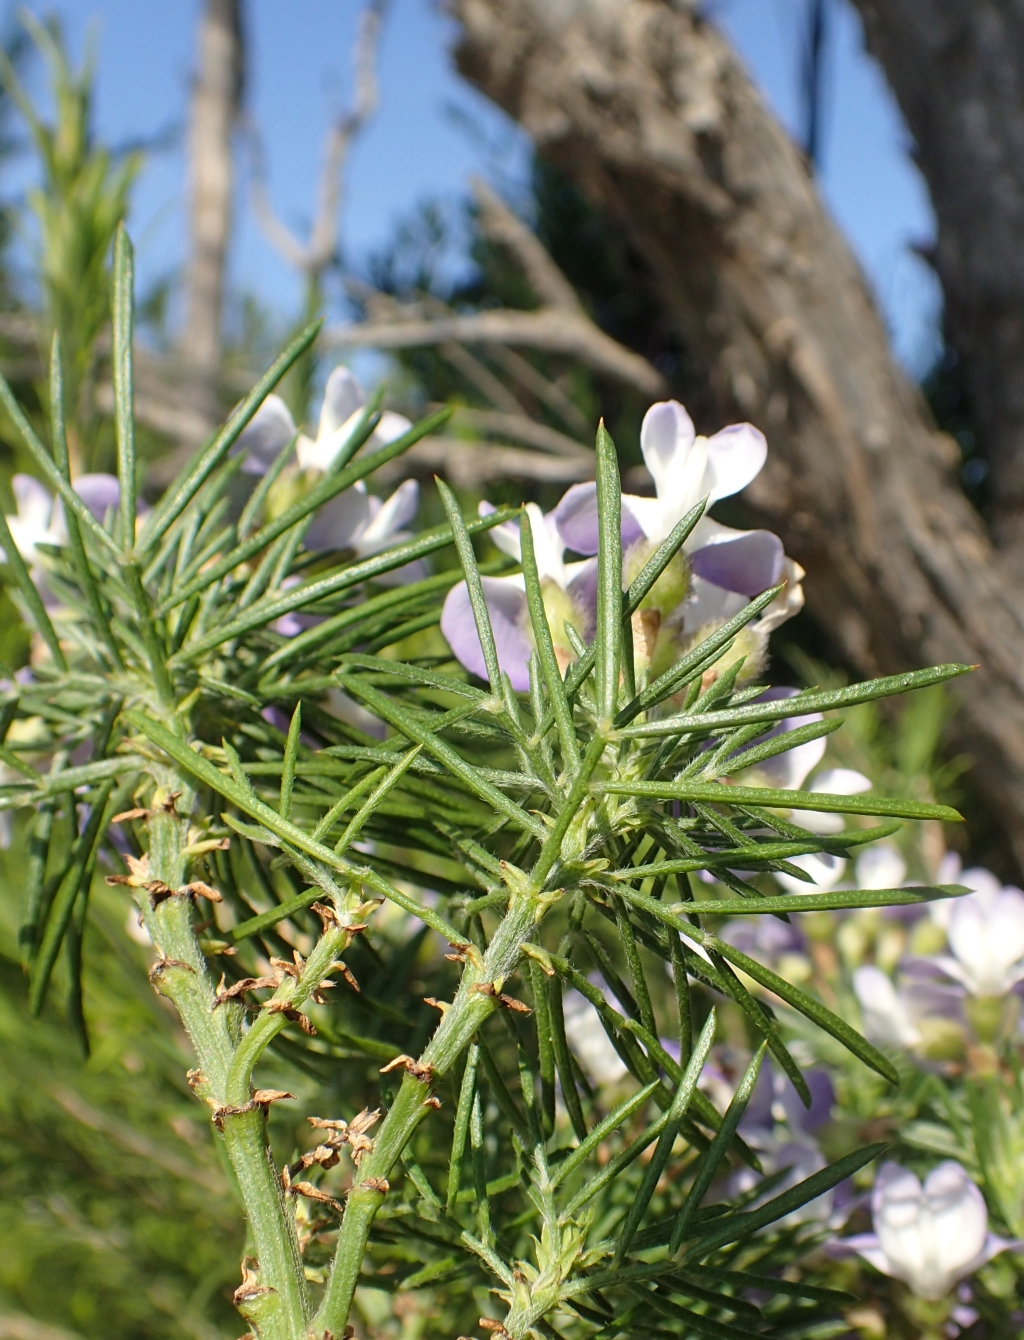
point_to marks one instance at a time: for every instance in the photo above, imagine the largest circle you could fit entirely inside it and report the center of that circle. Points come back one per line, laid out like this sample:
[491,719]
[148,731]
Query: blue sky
[432,132]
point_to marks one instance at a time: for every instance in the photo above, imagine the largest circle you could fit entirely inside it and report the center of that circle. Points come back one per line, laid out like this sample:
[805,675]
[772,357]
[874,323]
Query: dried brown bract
[420,1070]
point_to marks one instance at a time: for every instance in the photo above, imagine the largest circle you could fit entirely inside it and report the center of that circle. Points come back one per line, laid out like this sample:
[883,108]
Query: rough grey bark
[649,110]
[216,98]
[957,71]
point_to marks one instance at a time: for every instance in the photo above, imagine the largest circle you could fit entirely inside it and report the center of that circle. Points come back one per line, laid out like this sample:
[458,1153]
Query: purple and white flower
[39,518]
[929,1236]
[352,519]
[985,933]
[568,589]
[727,566]
[272,427]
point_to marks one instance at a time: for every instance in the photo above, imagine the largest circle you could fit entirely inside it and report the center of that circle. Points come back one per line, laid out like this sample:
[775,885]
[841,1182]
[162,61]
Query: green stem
[225,1068]
[461,1020]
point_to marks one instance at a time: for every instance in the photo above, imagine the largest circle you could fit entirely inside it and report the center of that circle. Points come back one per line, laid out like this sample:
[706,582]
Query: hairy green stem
[277,1305]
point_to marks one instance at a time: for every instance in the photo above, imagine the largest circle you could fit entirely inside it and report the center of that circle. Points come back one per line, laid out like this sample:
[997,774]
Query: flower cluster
[716,575]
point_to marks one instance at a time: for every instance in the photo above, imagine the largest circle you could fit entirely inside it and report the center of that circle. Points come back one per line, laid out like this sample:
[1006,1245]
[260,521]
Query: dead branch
[501,225]
[519,427]
[551,329]
[315,255]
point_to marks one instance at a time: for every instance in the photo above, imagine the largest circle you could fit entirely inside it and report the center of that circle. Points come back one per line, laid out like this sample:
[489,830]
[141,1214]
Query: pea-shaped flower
[929,1236]
[352,519]
[985,931]
[726,566]
[568,589]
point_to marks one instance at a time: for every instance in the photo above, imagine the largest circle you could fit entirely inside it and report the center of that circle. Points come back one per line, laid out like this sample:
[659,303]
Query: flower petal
[267,432]
[841,782]
[576,518]
[340,521]
[33,501]
[666,436]
[506,604]
[887,1021]
[504,537]
[748,562]
[789,770]
[392,515]
[589,1041]
[881,867]
[101,493]
[959,1219]
[736,455]
[710,605]
[647,517]
[825,869]
[343,397]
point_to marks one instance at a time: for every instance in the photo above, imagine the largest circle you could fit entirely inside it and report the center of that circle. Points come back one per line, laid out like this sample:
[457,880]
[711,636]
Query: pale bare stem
[315,255]
[552,329]
[547,391]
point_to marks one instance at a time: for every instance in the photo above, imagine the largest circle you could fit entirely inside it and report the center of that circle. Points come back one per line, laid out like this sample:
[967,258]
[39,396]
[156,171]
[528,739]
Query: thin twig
[315,255]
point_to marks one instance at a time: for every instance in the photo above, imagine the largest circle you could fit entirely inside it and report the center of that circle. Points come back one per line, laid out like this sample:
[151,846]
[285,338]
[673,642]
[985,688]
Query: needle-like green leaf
[667,1138]
[711,1159]
[608,641]
[825,700]
[821,801]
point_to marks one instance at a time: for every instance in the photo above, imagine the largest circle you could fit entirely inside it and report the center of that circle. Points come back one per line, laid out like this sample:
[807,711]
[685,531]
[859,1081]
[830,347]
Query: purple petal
[583,589]
[506,605]
[340,521]
[748,564]
[100,493]
[576,519]
[265,436]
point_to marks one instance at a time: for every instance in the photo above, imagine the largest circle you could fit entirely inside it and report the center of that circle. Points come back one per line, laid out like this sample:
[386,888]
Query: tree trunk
[216,98]
[650,111]
[958,73]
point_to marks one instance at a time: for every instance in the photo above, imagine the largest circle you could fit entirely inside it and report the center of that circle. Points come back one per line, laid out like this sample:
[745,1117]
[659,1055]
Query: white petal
[790,602]
[826,871]
[306,453]
[340,521]
[33,501]
[981,881]
[736,455]
[881,867]
[343,397]
[816,821]
[589,1041]
[504,537]
[887,1022]
[959,1218]
[949,869]
[709,604]
[547,544]
[391,426]
[651,515]
[841,782]
[666,436]
[986,933]
[392,515]
[269,429]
